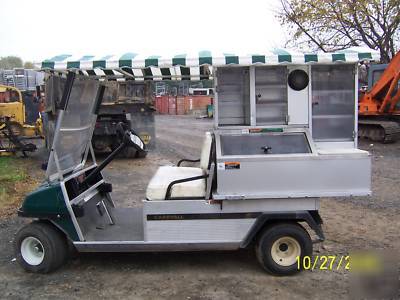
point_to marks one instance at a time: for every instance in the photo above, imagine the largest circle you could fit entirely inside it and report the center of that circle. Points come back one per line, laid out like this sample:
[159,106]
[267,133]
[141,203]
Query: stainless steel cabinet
[271,95]
[333,103]
[233,96]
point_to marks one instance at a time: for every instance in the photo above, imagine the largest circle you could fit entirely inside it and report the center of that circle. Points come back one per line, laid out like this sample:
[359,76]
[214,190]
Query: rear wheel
[280,246]
[40,248]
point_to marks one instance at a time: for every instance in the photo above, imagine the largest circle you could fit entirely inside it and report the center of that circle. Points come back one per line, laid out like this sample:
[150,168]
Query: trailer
[285,135]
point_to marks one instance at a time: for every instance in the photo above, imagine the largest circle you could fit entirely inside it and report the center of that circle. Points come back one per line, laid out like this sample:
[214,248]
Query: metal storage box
[276,140]
[290,169]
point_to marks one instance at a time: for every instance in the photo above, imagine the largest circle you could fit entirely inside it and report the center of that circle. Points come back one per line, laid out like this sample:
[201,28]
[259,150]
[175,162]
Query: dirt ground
[367,223]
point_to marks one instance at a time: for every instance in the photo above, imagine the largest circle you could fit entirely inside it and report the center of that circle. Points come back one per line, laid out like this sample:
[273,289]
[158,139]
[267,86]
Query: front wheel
[280,246]
[40,248]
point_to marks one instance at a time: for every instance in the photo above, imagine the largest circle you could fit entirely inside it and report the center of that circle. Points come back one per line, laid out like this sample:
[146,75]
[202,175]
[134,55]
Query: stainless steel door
[271,95]
[233,96]
[333,103]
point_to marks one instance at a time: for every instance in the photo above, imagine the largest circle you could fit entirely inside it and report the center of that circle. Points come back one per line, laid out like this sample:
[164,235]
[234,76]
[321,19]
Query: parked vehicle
[131,103]
[128,102]
[283,137]
[14,128]
[379,105]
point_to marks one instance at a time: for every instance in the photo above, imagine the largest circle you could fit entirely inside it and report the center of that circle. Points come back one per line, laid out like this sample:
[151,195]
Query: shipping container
[162,104]
[172,105]
[181,108]
[182,105]
[197,104]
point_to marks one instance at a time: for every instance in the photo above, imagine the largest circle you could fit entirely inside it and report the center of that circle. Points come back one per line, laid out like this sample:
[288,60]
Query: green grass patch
[13,178]
[10,172]
[16,181]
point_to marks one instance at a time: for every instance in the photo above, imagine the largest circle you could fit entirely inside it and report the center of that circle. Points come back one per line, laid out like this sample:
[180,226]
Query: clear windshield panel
[75,130]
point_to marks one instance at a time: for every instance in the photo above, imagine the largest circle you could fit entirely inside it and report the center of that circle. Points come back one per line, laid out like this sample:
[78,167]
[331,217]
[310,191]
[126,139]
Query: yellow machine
[11,104]
[13,127]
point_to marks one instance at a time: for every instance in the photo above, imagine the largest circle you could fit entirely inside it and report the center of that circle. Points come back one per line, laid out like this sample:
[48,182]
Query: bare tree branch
[332,25]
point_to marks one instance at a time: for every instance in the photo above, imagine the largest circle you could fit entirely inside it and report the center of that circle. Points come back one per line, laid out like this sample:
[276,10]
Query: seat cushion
[158,185]
[205,151]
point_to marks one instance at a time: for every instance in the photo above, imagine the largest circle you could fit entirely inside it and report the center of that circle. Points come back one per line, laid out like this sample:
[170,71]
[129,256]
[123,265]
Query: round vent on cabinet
[298,80]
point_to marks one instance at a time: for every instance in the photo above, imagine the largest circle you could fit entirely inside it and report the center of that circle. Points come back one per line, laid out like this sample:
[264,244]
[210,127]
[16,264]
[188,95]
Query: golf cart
[285,134]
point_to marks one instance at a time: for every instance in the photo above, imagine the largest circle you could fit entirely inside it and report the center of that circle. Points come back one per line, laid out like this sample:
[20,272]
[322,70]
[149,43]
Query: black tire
[128,152]
[141,154]
[53,247]
[291,239]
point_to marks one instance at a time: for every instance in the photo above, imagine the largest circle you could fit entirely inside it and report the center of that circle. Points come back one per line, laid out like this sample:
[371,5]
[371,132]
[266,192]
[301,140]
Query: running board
[140,246]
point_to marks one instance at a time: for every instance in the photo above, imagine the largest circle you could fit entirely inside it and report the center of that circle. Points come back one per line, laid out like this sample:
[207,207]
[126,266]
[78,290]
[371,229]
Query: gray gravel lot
[350,224]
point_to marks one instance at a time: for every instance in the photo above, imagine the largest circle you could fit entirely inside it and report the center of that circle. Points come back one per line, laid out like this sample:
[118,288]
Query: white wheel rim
[32,251]
[285,250]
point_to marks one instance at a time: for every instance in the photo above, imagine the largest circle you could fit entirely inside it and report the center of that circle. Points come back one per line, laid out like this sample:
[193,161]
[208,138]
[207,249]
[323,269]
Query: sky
[40,29]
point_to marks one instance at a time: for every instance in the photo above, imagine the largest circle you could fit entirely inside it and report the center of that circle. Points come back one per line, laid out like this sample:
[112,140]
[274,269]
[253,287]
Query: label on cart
[232,165]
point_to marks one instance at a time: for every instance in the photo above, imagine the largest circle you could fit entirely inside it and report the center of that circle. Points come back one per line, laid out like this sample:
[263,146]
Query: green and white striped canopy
[192,66]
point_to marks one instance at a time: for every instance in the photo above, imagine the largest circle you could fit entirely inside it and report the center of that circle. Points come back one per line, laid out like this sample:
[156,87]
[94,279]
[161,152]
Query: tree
[330,25]
[10,62]
[28,65]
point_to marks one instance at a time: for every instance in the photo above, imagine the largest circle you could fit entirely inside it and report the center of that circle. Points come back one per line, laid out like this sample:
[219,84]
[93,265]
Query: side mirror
[135,141]
[129,137]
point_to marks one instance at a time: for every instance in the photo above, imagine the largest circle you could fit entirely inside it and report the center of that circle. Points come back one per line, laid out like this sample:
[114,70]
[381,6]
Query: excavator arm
[384,95]
[379,116]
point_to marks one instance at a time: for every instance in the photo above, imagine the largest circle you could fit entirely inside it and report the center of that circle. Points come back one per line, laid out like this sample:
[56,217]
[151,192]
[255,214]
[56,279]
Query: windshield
[75,130]
[8,95]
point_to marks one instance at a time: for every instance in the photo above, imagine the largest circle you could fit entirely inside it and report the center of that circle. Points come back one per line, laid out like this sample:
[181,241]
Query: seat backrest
[205,151]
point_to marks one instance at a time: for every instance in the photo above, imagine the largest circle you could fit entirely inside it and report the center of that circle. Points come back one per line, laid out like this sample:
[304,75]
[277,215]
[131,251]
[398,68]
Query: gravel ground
[370,223]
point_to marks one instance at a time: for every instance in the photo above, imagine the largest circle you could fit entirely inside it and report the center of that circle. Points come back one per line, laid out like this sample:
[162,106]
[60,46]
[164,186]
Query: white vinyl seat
[157,188]
[158,185]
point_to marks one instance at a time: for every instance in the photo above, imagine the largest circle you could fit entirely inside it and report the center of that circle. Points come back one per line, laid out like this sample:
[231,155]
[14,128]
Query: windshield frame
[55,169]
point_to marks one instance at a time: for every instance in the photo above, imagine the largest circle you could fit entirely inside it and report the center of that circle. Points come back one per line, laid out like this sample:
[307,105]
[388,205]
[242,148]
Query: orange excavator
[379,112]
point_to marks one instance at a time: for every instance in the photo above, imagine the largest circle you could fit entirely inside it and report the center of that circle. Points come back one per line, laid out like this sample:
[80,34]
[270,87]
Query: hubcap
[285,250]
[32,251]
